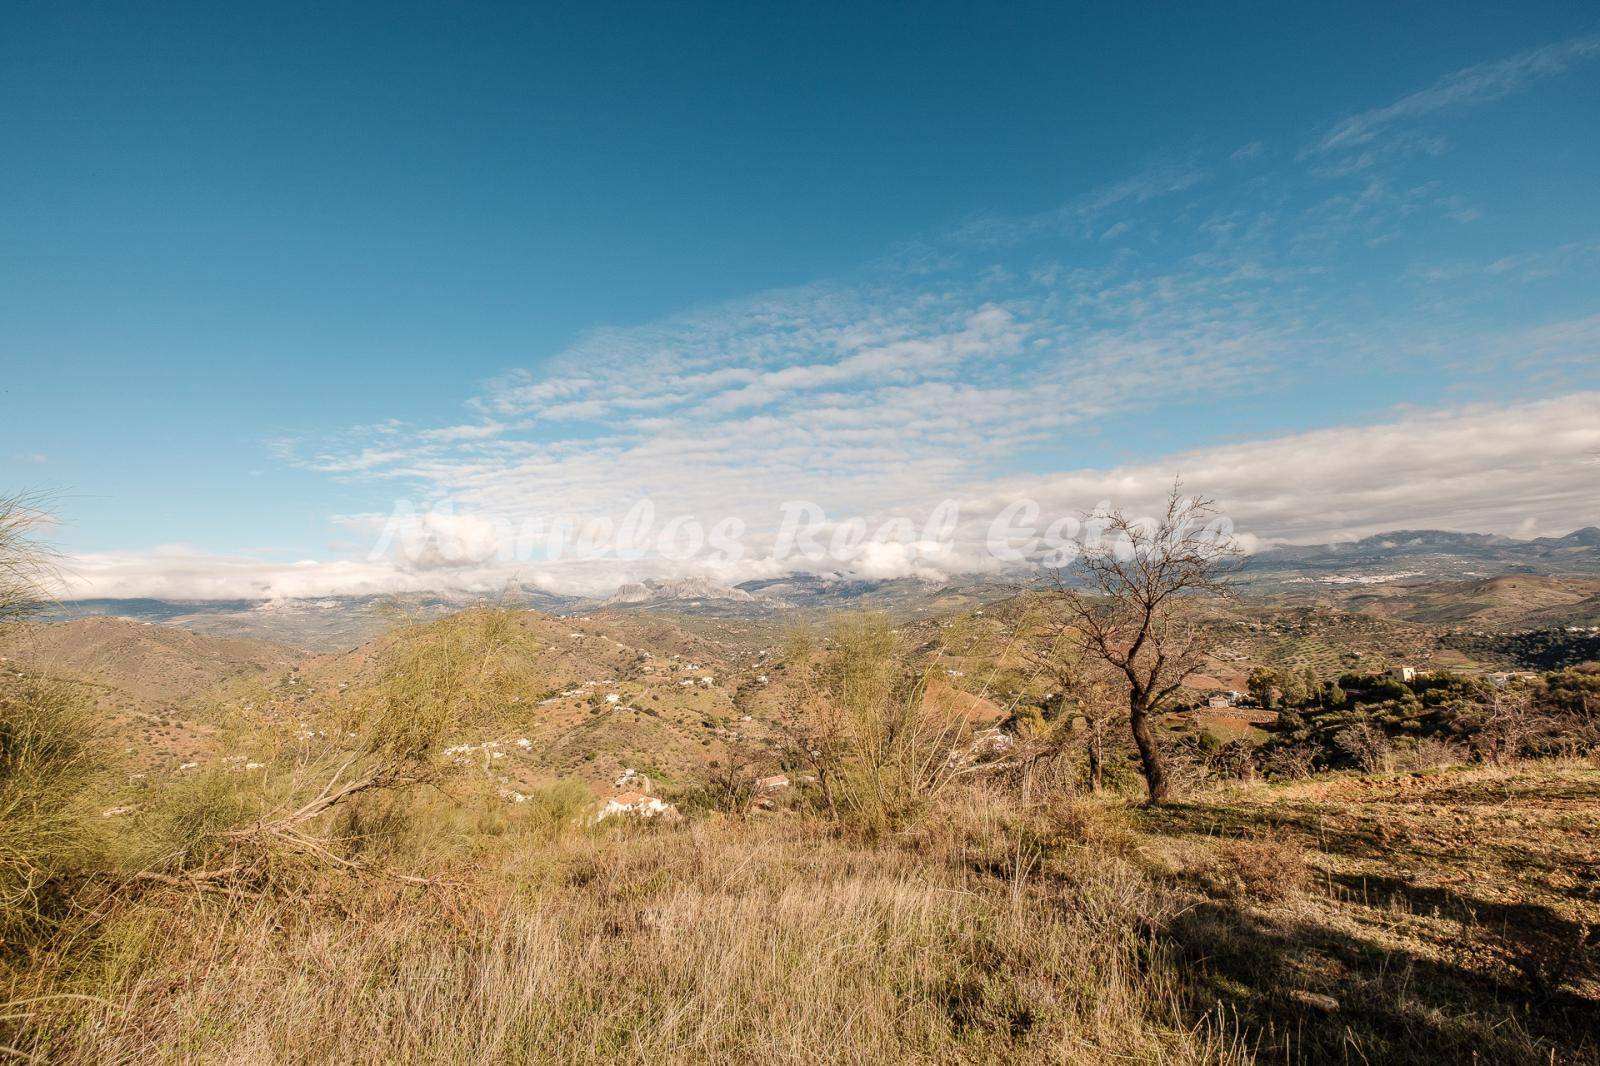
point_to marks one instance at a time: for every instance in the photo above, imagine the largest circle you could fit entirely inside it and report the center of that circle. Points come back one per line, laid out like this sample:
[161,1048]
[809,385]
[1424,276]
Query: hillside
[1405,917]
[595,696]
[150,684]
[598,696]
[1506,601]
[667,693]
[156,663]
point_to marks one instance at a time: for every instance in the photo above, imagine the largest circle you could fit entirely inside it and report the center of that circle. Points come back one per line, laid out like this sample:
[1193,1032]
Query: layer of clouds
[1526,469]
[860,398]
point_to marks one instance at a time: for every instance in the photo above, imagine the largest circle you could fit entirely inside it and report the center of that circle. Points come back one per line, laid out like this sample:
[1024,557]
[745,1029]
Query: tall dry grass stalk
[50,832]
[26,564]
[723,941]
[49,764]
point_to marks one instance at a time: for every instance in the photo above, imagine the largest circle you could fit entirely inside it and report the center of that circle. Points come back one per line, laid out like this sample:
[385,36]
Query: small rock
[1315,1000]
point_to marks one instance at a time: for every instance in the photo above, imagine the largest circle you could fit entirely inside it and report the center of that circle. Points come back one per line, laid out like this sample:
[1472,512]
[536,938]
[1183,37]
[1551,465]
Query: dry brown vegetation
[1412,918]
[713,942]
[359,896]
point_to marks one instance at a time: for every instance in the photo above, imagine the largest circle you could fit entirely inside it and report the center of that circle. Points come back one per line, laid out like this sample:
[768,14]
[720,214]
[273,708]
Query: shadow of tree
[1393,1006]
[1546,947]
[1514,996]
[1370,837]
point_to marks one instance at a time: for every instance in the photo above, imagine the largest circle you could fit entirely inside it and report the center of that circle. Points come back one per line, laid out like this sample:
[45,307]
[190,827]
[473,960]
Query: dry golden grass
[718,941]
[48,830]
[1435,913]
[1451,914]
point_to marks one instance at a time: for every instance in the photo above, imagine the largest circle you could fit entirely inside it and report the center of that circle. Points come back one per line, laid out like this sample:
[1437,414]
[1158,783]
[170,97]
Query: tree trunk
[1096,773]
[1155,771]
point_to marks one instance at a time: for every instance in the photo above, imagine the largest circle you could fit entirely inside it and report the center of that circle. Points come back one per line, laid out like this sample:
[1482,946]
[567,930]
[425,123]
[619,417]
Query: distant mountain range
[828,591]
[684,590]
[324,623]
[1429,553]
[1410,557]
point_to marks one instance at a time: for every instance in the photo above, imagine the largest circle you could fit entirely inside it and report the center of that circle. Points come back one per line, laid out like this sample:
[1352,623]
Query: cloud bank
[1526,470]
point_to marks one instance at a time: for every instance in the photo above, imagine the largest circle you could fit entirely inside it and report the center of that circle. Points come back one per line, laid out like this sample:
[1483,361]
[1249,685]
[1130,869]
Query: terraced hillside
[1515,601]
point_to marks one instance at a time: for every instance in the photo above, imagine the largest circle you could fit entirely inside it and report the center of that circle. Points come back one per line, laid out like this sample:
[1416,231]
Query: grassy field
[1453,915]
[1445,917]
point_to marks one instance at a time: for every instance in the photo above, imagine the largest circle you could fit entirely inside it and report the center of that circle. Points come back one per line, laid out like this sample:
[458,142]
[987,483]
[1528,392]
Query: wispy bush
[1367,746]
[50,758]
[344,806]
[468,667]
[882,752]
[25,563]
[50,770]
[1427,753]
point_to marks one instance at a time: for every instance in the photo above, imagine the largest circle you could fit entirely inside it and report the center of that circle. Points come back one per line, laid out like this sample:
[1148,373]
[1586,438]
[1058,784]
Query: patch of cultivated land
[1509,600]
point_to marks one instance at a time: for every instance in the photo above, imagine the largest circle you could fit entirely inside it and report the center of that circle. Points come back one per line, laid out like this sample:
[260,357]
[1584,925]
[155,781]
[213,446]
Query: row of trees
[1293,688]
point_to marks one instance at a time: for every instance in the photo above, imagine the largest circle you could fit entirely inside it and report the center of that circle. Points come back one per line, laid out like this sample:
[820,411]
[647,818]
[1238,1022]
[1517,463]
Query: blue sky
[266,270]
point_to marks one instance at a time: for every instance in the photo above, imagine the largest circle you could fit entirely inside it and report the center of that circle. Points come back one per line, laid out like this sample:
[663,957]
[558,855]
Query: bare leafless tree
[1136,613]
[731,783]
[1512,718]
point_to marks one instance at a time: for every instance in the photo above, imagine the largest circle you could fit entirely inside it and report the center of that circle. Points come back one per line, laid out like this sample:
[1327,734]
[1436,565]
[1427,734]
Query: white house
[637,804]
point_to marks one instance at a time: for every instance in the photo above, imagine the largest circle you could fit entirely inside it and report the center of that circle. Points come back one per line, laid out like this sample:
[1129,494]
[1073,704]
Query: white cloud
[1521,266]
[1505,469]
[1079,215]
[855,397]
[1480,468]
[475,431]
[1481,83]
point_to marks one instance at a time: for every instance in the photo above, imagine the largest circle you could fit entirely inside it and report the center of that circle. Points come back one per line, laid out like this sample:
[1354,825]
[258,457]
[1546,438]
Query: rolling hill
[1429,553]
[1510,600]
[152,685]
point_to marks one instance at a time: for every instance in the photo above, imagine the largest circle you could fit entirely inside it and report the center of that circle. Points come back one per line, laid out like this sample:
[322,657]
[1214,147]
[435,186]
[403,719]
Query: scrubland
[919,893]
[1404,918]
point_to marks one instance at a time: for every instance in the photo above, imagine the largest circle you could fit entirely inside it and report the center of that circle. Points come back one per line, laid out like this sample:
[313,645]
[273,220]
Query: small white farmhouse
[637,804]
